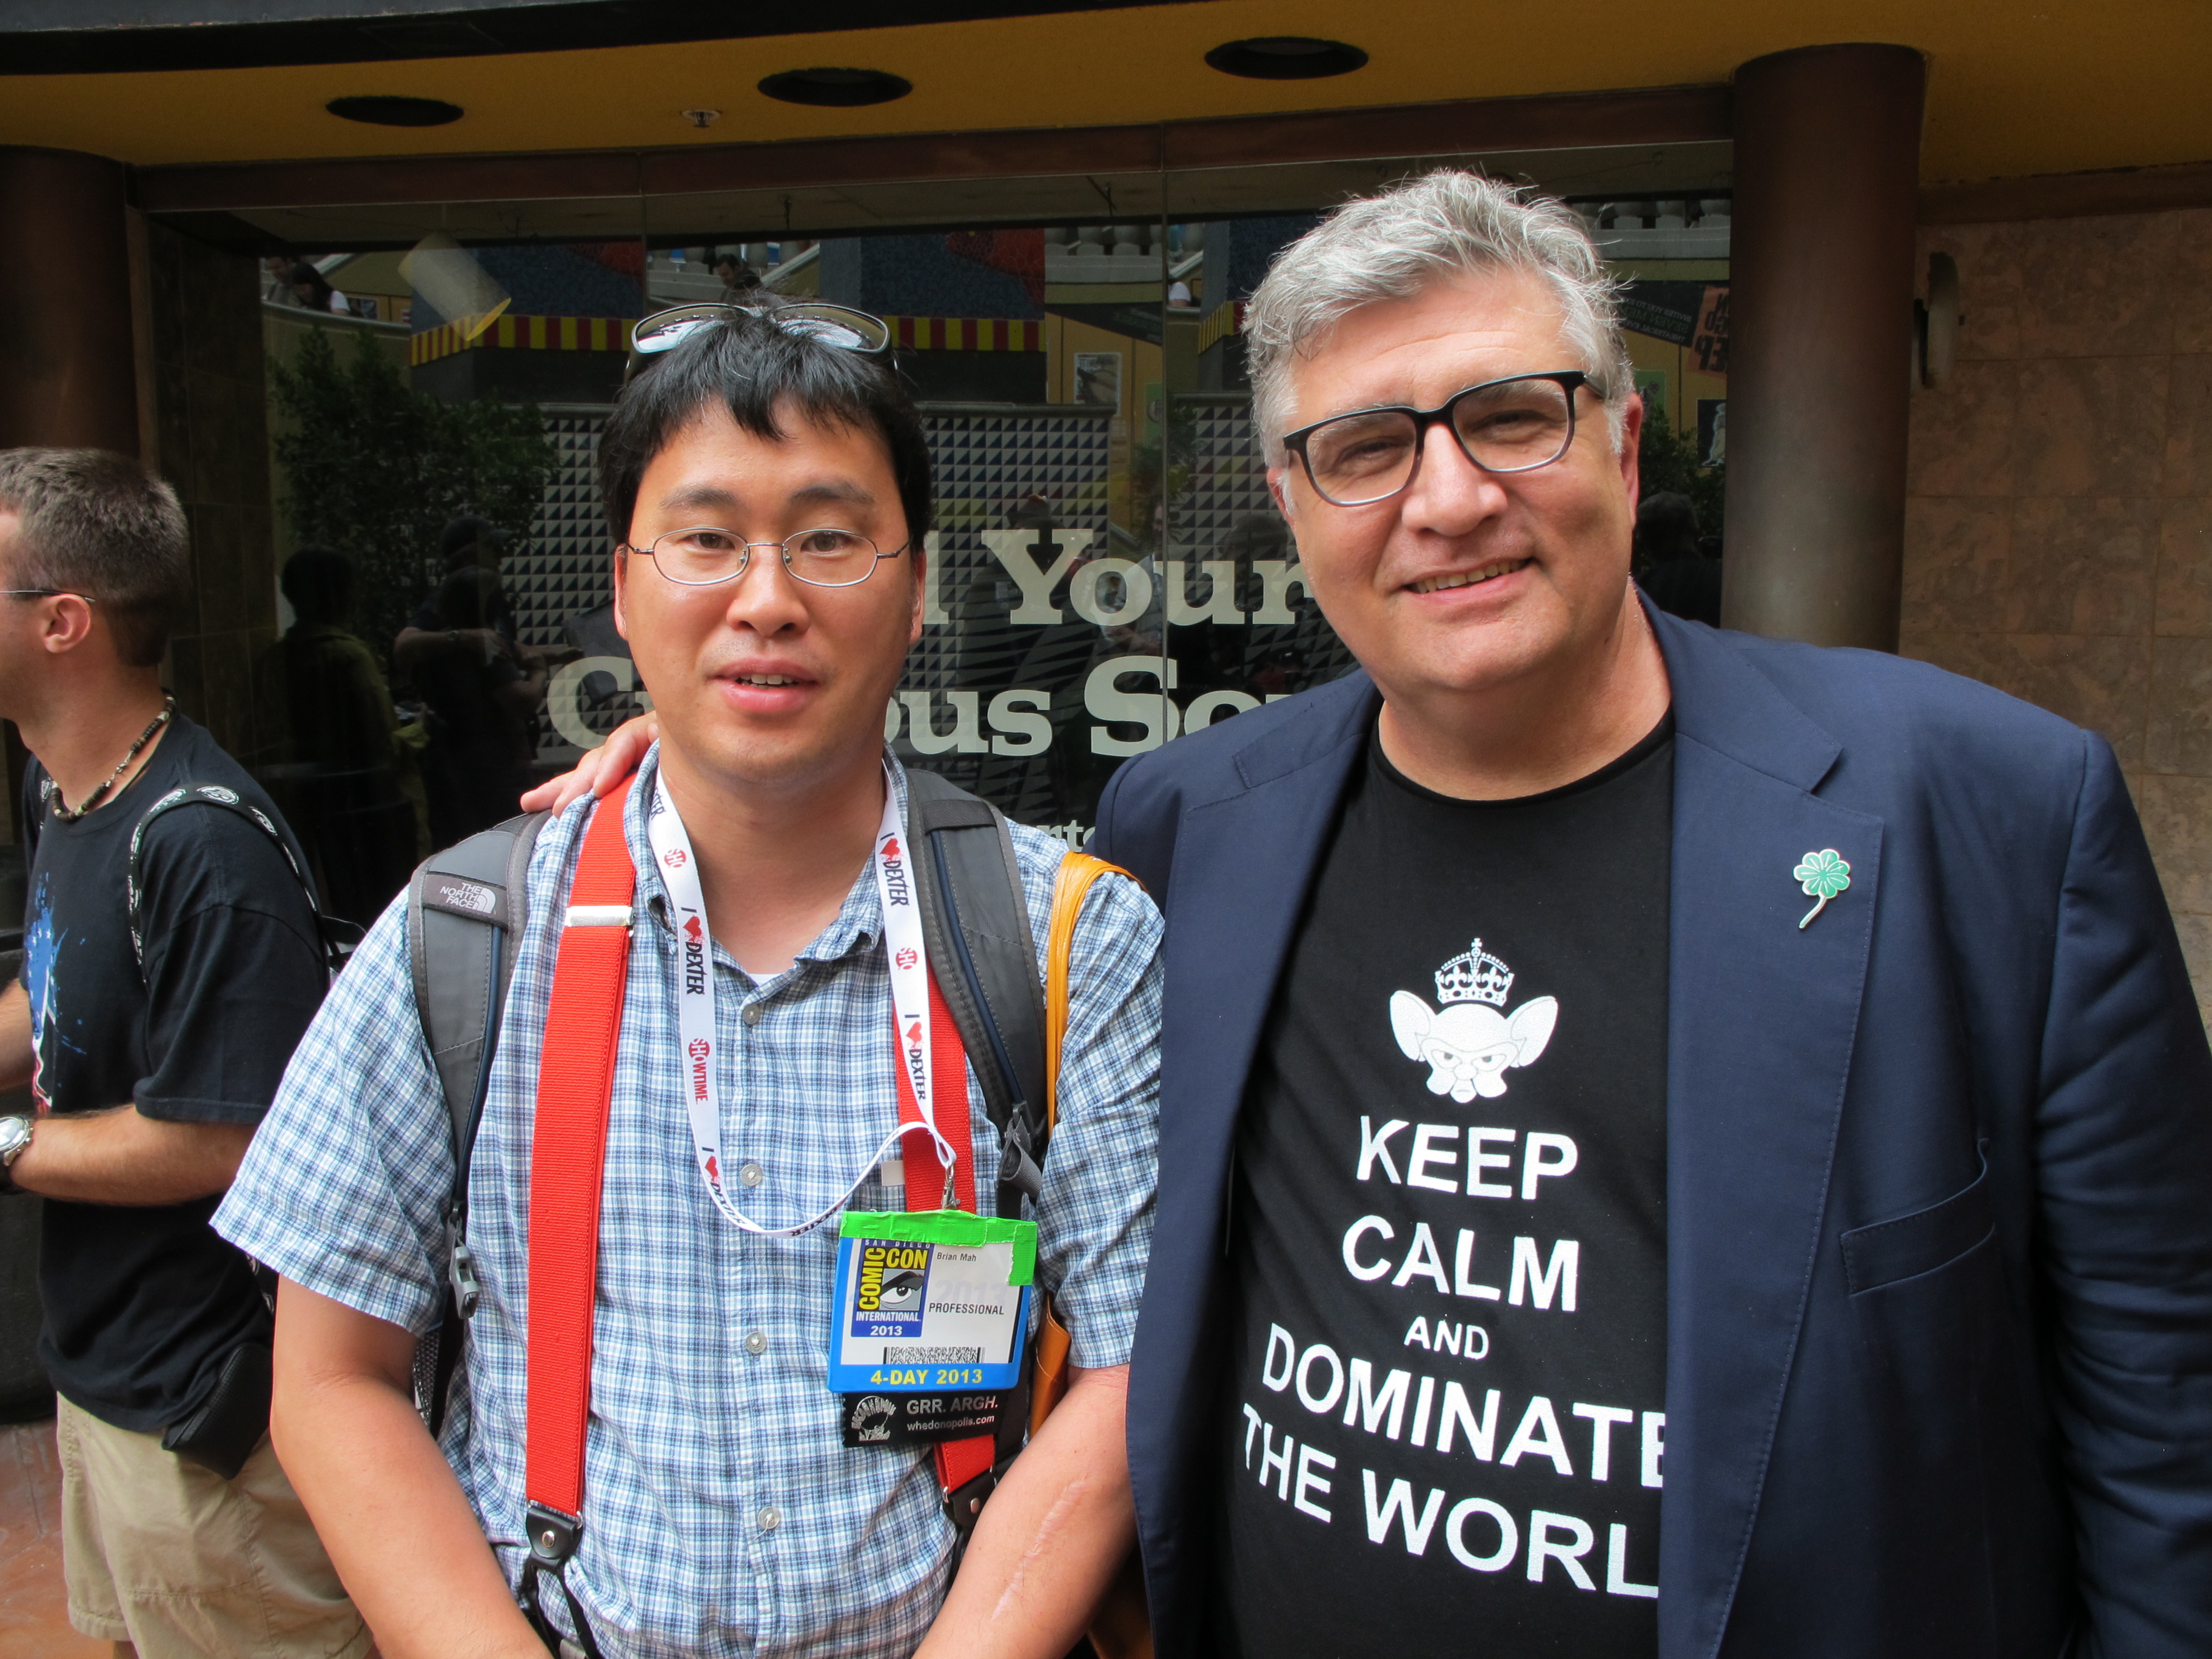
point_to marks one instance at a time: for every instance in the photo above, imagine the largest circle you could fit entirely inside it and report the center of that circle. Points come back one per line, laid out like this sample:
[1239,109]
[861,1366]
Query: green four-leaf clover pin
[1822,875]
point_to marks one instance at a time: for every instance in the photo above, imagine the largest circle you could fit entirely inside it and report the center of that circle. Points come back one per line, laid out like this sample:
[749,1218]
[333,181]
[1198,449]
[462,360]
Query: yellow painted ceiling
[2014,89]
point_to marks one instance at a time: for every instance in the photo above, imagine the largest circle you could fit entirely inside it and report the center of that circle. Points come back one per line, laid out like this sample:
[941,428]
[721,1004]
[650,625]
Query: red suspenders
[568,1156]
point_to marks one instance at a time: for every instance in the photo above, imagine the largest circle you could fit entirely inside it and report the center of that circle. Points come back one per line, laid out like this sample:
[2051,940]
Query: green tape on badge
[949,1227]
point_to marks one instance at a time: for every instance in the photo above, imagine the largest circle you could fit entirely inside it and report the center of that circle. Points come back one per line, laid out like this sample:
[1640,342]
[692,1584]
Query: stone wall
[2058,534]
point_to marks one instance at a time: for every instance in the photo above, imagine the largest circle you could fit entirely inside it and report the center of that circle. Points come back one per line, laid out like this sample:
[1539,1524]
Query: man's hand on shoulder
[123,1157]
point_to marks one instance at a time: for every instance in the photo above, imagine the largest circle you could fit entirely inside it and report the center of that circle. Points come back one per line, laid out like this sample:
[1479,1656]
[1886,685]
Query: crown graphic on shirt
[1474,976]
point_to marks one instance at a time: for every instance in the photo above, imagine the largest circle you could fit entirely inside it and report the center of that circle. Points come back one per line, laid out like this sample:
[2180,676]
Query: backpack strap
[337,937]
[568,1159]
[976,924]
[1079,872]
[465,910]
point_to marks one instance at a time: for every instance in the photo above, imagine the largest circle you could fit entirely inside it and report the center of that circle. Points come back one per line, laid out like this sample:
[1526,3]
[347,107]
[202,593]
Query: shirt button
[752,1174]
[757,1342]
[752,1014]
[769,1518]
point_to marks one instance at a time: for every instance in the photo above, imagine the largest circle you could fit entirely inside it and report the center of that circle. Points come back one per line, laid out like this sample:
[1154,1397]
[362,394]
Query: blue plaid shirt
[722,1513]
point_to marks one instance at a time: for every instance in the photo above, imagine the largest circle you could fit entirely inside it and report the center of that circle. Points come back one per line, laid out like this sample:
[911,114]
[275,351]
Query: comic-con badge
[932,1302]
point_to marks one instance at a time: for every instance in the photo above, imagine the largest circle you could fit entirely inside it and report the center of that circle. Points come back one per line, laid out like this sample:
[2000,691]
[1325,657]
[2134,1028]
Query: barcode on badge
[909,1353]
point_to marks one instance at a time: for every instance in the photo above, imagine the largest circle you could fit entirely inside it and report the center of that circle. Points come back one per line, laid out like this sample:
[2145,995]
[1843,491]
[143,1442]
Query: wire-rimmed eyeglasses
[1512,425]
[703,556]
[831,326]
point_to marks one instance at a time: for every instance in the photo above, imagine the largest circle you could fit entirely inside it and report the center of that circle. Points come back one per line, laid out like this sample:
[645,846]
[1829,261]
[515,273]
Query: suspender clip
[553,1536]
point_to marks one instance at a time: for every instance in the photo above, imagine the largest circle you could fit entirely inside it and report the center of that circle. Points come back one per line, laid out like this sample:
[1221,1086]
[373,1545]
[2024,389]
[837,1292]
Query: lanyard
[694,1004]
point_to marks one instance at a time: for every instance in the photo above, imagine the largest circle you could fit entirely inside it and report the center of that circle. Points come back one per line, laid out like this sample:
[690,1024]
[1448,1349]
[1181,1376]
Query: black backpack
[465,910]
[338,937]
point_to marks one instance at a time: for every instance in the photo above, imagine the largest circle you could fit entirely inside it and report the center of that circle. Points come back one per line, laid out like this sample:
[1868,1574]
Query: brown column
[1828,160]
[65,303]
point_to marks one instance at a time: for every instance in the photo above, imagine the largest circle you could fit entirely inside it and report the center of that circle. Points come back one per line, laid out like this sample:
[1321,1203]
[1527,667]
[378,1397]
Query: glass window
[1107,571]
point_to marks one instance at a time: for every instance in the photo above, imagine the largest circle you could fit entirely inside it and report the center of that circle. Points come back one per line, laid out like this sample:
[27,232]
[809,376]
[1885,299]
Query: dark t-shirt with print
[1443,1417]
[144,1302]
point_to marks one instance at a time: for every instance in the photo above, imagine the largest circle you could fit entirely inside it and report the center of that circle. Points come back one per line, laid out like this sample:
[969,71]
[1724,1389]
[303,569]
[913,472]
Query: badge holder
[928,1322]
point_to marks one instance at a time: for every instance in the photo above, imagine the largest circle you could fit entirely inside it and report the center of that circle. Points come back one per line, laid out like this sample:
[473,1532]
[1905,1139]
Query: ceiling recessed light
[837,89]
[1286,58]
[396,111]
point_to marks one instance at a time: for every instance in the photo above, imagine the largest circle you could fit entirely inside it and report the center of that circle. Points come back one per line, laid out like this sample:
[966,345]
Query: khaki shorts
[182,1563]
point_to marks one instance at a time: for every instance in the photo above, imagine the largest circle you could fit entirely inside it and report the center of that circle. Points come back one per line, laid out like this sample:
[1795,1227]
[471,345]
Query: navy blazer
[1939,1369]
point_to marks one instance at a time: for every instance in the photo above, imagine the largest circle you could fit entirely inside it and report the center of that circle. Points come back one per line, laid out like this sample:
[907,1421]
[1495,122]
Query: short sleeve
[1095,1224]
[342,1190]
[234,971]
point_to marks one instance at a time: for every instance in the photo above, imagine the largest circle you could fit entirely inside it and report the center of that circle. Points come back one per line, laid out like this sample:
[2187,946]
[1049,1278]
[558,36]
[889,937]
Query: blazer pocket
[1920,1243]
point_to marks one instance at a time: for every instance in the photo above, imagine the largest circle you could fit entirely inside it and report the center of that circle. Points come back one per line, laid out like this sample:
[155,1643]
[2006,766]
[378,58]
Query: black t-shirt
[1442,1416]
[144,1302]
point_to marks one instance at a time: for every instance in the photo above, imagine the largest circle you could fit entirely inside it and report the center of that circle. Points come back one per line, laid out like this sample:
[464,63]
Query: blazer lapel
[1244,861]
[1763,1013]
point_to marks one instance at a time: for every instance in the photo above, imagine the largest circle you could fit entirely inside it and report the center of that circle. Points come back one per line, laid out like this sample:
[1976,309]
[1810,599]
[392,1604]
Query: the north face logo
[467,895]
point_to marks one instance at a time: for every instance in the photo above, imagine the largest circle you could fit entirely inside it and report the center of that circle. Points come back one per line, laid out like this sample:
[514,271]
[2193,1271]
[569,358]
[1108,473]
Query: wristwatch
[15,1136]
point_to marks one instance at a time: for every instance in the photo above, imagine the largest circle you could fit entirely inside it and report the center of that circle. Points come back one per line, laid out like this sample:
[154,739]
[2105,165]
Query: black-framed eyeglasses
[832,325]
[1513,425]
[703,556]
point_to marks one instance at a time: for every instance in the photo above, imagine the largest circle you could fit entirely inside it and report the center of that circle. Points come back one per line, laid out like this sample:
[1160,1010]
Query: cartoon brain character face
[1469,1045]
[900,1290]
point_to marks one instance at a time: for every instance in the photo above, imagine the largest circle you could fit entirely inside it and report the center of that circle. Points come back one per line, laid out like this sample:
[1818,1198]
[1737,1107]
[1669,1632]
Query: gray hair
[98,524]
[1394,245]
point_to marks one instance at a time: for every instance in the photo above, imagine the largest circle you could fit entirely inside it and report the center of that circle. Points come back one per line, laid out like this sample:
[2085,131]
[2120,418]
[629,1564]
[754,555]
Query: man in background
[150,1060]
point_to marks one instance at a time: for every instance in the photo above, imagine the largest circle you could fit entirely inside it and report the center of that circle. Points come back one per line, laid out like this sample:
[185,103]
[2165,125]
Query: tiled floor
[34,1612]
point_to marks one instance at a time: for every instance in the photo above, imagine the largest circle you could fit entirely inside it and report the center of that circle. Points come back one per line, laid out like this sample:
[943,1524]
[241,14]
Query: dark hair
[96,523]
[458,542]
[319,584]
[750,367]
[305,273]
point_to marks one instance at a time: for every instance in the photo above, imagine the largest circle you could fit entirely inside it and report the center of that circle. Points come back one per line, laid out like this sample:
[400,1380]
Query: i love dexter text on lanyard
[909,974]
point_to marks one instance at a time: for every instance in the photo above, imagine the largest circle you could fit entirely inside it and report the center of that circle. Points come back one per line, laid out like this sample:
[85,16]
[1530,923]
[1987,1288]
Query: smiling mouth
[766,679]
[1469,578]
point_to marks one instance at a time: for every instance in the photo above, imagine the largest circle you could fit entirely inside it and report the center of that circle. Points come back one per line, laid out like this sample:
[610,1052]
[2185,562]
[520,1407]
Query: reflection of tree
[374,469]
[1665,459]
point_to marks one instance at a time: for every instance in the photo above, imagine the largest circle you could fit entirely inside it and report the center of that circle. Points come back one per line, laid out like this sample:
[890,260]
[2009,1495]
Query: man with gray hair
[1671,1143]
[172,960]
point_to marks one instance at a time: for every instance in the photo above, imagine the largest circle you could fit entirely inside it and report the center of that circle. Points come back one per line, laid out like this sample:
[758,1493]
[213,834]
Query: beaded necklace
[53,792]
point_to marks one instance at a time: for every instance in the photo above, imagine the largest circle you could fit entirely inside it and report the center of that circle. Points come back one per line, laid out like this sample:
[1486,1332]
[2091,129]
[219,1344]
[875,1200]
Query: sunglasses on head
[831,326]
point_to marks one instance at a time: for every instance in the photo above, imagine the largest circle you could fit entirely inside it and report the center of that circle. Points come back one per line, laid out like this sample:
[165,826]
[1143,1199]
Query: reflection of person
[276,279]
[738,279]
[467,543]
[482,698]
[1699,1143]
[1672,568]
[310,289]
[336,755]
[722,1513]
[150,1060]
